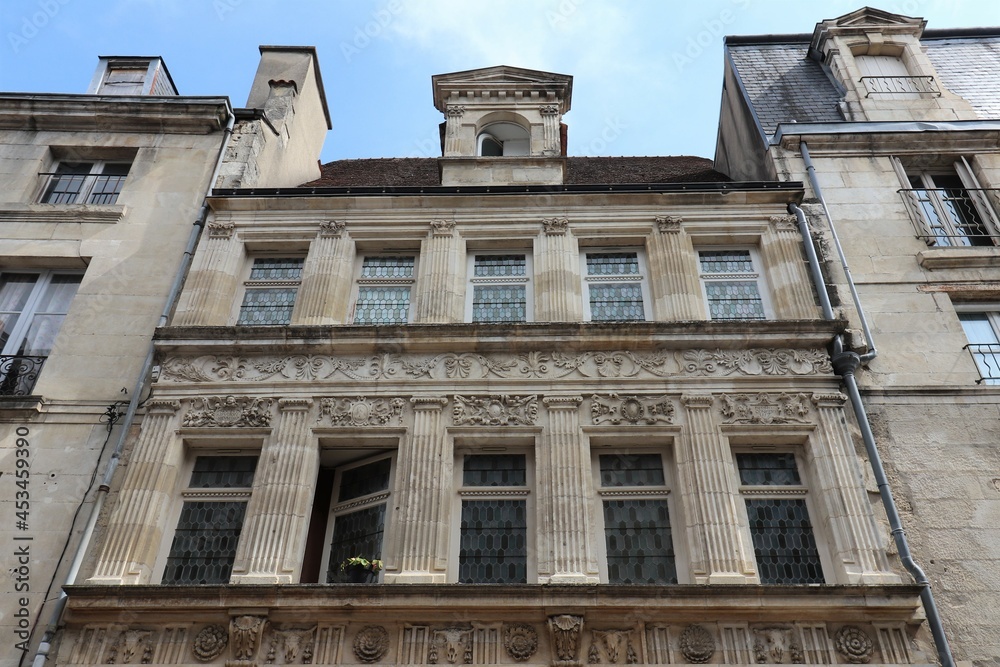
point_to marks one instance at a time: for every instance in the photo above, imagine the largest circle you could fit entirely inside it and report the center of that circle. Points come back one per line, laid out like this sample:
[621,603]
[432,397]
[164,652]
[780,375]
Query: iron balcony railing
[18,374]
[900,85]
[987,358]
[954,216]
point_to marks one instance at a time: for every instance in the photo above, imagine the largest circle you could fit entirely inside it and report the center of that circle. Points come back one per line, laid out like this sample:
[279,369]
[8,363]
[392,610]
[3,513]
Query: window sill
[962,257]
[35,213]
[16,406]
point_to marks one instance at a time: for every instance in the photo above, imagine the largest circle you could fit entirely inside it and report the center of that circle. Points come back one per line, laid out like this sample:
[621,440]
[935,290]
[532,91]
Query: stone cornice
[93,113]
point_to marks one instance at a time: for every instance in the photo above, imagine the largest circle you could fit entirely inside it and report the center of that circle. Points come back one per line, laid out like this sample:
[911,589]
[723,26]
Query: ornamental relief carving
[453,645]
[291,647]
[131,647]
[854,644]
[669,223]
[697,644]
[244,636]
[615,409]
[371,643]
[495,410]
[532,365]
[765,408]
[520,640]
[555,226]
[220,230]
[612,647]
[776,646]
[210,642]
[229,411]
[565,630]
[361,411]
[332,228]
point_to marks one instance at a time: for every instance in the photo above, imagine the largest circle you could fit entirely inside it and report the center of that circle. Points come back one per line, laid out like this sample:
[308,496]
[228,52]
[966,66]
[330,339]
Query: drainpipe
[45,644]
[845,363]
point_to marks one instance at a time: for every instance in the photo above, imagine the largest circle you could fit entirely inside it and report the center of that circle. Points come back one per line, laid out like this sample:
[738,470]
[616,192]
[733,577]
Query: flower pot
[357,574]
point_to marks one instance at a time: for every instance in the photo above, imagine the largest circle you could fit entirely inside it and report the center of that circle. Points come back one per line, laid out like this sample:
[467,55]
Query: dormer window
[503,140]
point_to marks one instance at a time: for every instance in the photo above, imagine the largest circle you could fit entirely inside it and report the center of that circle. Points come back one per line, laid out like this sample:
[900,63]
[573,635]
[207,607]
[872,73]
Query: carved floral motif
[220,230]
[229,411]
[362,411]
[495,410]
[776,646]
[612,409]
[854,644]
[669,223]
[566,630]
[697,644]
[454,643]
[244,636]
[787,223]
[548,109]
[291,646]
[371,643]
[210,643]
[520,640]
[555,226]
[765,408]
[455,110]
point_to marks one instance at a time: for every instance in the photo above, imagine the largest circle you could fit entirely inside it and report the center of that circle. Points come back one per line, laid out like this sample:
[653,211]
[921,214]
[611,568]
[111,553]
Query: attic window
[503,139]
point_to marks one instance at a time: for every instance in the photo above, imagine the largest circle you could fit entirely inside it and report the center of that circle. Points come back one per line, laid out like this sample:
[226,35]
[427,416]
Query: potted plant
[360,570]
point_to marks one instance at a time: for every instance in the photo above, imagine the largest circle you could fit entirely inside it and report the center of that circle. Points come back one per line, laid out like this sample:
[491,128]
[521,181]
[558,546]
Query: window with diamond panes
[783,539]
[270,291]
[638,540]
[211,518]
[499,288]
[493,530]
[384,290]
[732,285]
[358,514]
[614,286]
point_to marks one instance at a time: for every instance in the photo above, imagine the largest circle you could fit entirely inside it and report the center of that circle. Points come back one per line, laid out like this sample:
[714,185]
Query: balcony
[987,358]
[954,217]
[18,374]
[900,85]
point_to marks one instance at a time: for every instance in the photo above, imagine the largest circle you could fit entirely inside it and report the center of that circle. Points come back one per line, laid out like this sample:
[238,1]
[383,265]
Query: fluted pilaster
[135,528]
[557,274]
[840,493]
[213,281]
[673,273]
[452,130]
[550,130]
[327,275]
[781,249]
[425,464]
[566,493]
[273,539]
[709,487]
[440,284]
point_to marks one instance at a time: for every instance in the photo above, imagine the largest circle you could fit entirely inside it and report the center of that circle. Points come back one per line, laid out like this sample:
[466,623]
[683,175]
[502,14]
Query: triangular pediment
[503,78]
[864,20]
[870,16]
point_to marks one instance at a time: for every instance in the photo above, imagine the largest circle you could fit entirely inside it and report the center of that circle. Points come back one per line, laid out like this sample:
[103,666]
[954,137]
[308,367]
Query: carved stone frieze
[442,227]
[776,646]
[220,230]
[332,228]
[131,647]
[292,646]
[229,411]
[555,226]
[520,640]
[669,223]
[854,644]
[612,647]
[371,643]
[697,644]
[454,645]
[244,636]
[765,408]
[495,410]
[532,365]
[362,411]
[210,642]
[615,409]
[565,630]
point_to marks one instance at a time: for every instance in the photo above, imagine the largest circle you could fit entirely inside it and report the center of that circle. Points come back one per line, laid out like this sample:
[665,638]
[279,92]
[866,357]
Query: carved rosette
[244,636]
[764,408]
[220,230]
[332,228]
[854,644]
[697,644]
[229,411]
[495,410]
[614,409]
[565,630]
[669,224]
[292,646]
[362,411]
[442,227]
[520,640]
[776,646]
[371,643]
[555,226]
[210,642]
[455,644]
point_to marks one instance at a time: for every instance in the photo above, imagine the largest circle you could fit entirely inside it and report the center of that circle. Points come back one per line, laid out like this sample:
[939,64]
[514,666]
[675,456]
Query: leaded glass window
[358,515]
[732,285]
[211,519]
[270,291]
[614,286]
[783,539]
[384,290]
[638,541]
[500,288]
[493,529]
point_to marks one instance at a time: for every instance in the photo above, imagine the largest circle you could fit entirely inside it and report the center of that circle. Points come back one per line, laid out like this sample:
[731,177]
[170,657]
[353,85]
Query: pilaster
[440,283]
[452,130]
[135,528]
[673,273]
[273,538]
[214,277]
[550,130]
[557,273]
[327,275]
[781,249]
[426,464]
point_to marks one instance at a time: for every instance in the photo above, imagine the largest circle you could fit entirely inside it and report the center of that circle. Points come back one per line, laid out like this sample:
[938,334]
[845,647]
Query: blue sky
[647,73]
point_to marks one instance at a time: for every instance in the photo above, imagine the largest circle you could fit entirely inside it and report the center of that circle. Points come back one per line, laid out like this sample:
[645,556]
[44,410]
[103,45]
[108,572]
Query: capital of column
[428,402]
[294,404]
[332,228]
[829,400]
[442,227]
[697,401]
[562,402]
[163,407]
[455,111]
[669,223]
[220,230]
[555,226]
[548,110]
[784,223]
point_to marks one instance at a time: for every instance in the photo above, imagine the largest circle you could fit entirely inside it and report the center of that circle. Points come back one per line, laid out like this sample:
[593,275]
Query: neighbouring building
[102,193]
[899,126]
[581,409]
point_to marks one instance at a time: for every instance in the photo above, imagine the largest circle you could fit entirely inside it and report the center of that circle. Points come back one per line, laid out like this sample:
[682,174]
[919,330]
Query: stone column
[720,553]
[135,527]
[563,472]
[550,130]
[557,274]
[453,130]
[327,277]
[673,273]
[840,498]
[440,283]
[787,276]
[425,467]
[213,281]
[272,542]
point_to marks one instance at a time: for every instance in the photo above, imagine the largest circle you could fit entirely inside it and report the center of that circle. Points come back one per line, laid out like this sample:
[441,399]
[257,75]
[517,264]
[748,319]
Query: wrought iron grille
[914,85]
[954,216]
[18,374]
[987,358]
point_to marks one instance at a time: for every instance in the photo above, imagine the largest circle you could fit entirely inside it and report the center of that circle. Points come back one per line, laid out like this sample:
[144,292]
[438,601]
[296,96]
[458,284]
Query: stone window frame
[359,280]
[759,276]
[642,279]
[528,281]
[246,284]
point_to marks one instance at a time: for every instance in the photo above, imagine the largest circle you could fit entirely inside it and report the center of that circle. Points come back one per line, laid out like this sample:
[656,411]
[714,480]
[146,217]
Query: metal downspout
[102,491]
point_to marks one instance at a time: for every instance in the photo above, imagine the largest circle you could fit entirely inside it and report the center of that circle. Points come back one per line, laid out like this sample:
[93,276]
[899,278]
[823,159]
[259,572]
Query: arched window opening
[503,139]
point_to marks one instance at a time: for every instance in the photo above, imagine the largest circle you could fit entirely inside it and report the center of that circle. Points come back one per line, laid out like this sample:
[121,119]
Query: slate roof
[579,171]
[970,68]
